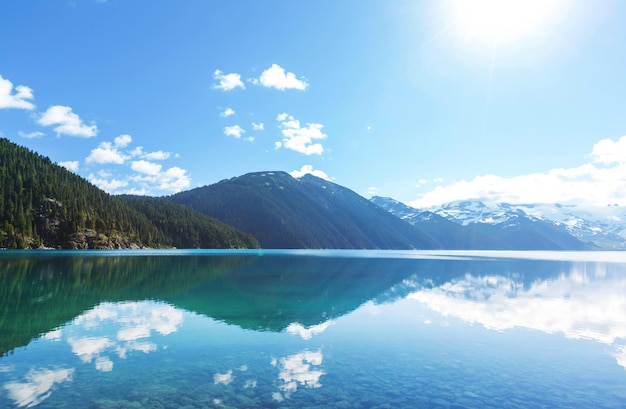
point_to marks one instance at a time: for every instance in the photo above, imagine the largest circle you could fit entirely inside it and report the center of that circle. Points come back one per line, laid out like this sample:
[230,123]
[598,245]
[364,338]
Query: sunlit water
[202,329]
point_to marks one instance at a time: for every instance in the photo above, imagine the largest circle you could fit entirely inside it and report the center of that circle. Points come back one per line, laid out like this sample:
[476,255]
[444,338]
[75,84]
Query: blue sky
[423,101]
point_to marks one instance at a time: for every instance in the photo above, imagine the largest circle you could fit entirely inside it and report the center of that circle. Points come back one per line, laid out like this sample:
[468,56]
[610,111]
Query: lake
[312,329]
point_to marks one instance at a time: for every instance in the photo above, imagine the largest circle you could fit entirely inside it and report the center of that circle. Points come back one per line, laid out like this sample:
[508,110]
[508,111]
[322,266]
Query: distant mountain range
[543,226]
[45,205]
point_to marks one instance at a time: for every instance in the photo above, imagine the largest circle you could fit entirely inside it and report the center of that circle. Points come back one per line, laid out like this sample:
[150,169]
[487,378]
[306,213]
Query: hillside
[186,228]
[44,205]
[283,212]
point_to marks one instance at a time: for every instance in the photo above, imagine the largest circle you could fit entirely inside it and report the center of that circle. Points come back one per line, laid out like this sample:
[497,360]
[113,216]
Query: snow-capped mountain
[605,227]
[596,227]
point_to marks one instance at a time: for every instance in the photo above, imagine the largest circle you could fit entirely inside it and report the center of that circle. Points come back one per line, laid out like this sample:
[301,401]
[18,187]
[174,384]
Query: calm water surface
[301,329]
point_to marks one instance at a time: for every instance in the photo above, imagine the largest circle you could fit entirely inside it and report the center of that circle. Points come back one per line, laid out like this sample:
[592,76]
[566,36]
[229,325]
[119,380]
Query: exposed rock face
[90,239]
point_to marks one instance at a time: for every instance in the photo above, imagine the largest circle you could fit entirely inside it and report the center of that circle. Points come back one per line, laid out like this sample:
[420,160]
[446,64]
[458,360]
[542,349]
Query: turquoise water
[302,329]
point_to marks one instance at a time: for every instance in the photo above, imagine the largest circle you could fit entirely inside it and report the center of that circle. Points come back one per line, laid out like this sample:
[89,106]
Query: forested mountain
[283,212]
[187,228]
[43,204]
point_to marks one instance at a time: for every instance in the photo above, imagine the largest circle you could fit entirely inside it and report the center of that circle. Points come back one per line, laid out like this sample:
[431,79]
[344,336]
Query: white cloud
[227,82]
[31,135]
[598,184]
[106,153]
[300,139]
[276,77]
[173,179]
[107,185]
[227,112]
[235,131]
[372,191]
[606,151]
[158,155]
[8,99]
[308,169]
[68,123]
[122,141]
[143,166]
[258,126]
[71,165]
[149,176]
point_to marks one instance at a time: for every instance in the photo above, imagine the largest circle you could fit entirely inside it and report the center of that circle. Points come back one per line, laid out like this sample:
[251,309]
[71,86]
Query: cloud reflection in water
[586,303]
[298,369]
[131,322]
[37,386]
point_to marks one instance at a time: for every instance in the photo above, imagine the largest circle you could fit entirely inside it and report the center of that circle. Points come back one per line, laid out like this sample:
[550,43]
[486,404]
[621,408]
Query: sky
[426,102]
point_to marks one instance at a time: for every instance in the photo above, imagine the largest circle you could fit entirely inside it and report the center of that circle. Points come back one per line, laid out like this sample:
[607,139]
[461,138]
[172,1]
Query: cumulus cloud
[149,176]
[227,82]
[235,131]
[108,185]
[607,151]
[122,141]
[106,152]
[31,135]
[143,166]
[308,169]
[157,155]
[599,183]
[298,138]
[67,122]
[71,165]
[276,77]
[257,126]
[18,99]
[227,112]
[172,180]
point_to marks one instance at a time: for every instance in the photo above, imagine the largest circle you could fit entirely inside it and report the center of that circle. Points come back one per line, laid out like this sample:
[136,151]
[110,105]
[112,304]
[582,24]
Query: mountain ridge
[598,228]
[308,212]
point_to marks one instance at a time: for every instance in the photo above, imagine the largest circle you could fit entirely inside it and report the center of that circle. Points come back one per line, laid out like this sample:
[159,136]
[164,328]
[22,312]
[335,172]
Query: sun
[502,21]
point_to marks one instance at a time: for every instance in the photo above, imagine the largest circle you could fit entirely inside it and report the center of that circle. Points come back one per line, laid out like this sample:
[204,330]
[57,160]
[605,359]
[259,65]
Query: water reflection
[251,331]
[586,302]
[133,323]
[301,369]
[37,386]
[306,333]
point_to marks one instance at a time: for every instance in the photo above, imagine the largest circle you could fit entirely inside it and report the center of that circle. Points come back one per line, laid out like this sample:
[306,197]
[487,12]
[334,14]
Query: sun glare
[502,21]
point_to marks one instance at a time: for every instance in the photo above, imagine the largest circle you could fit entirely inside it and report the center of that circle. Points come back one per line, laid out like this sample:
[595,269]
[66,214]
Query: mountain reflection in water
[268,327]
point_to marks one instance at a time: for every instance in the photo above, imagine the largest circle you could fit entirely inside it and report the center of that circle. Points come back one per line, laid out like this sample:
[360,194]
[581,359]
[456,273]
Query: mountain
[450,235]
[43,204]
[183,227]
[309,212]
[603,227]
[480,226]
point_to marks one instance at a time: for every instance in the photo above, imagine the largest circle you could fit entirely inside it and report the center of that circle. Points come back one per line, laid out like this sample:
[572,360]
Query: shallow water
[344,329]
